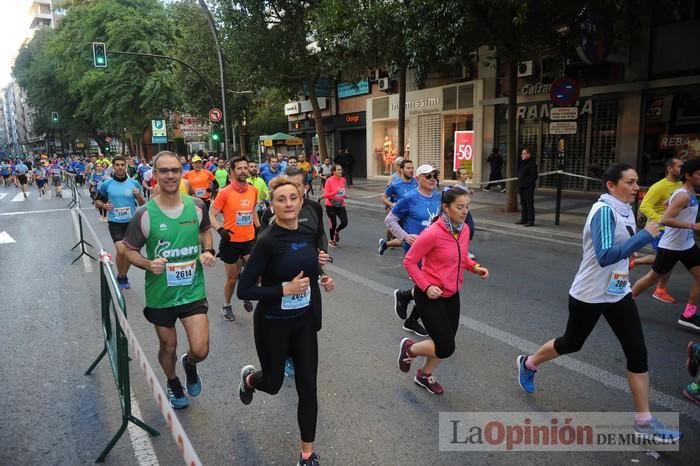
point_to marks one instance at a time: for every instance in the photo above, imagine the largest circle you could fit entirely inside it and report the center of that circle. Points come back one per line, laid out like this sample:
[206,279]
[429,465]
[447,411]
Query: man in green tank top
[175,229]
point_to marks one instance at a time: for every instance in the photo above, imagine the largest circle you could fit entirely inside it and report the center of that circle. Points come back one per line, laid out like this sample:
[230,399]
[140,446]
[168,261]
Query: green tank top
[221,175]
[182,281]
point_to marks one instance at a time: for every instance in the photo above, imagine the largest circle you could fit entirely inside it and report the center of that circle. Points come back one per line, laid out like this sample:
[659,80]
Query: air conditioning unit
[374,74]
[383,84]
[525,68]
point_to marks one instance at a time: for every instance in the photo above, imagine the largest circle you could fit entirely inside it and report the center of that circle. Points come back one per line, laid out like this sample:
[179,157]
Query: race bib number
[200,192]
[296,301]
[181,273]
[122,213]
[618,283]
[244,218]
[341,193]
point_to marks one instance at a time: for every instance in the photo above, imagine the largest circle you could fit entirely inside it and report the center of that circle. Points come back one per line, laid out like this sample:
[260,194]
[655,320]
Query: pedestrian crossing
[18,196]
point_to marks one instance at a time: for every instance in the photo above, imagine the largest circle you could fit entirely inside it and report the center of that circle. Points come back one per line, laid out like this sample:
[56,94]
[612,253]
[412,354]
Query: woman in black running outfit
[286,261]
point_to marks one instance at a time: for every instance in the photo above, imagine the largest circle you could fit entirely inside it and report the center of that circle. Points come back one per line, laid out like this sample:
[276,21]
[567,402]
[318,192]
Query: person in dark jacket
[527,179]
[495,160]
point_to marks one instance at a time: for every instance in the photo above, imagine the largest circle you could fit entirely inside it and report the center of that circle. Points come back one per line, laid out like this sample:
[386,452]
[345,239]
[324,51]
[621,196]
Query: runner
[237,204]
[176,232]
[395,190]
[308,173]
[55,173]
[678,243]
[325,171]
[259,184]
[220,176]
[5,173]
[408,218]
[601,287]
[200,180]
[336,192]
[692,391]
[653,207]
[443,252]
[286,262]
[119,196]
[40,176]
[21,171]
[272,171]
[96,177]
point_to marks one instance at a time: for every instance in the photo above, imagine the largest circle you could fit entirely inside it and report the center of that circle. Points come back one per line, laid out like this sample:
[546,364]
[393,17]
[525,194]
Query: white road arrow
[2,195]
[5,238]
[19,197]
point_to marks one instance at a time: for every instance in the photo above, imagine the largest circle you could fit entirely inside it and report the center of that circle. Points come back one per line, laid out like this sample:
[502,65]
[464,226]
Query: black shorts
[56,180]
[40,183]
[166,316]
[117,230]
[22,179]
[231,252]
[6,176]
[667,258]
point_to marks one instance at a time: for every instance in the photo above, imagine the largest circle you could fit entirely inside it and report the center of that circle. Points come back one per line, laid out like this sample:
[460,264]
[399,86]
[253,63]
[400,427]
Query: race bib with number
[200,192]
[122,213]
[296,301]
[341,193]
[618,283]
[244,218]
[181,273]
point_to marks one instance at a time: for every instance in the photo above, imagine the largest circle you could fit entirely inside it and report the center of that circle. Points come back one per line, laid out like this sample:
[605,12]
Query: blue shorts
[655,241]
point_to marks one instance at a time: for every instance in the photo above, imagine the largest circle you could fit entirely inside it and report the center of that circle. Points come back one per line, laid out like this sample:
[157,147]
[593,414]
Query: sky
[14,26]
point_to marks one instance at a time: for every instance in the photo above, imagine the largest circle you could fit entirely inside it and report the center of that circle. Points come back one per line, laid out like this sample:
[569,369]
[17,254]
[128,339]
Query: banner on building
[464,144]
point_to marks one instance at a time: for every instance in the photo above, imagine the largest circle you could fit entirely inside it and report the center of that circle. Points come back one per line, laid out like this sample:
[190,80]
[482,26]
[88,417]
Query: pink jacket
[335,190]
[444,259]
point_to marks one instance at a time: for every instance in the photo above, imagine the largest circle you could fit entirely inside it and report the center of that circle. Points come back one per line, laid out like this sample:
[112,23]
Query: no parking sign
[464,141]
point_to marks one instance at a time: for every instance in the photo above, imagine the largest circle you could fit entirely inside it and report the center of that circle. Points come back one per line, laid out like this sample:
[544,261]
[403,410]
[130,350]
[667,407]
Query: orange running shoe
[663,296]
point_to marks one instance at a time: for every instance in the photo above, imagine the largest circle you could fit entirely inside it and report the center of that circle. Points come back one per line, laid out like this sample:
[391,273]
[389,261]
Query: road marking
[140,439]
[26,212]
[19,197]
[2,195]
[5,238]
[606,378]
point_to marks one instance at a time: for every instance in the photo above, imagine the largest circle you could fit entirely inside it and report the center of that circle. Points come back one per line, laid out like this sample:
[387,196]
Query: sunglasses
[168,171]
[431,176]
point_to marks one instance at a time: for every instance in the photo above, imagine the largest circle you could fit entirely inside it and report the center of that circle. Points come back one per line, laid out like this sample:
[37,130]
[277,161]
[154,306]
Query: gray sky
[14,28]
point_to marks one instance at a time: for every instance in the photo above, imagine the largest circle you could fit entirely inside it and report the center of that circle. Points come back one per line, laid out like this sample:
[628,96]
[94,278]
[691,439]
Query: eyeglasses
[431,176]
[168,171]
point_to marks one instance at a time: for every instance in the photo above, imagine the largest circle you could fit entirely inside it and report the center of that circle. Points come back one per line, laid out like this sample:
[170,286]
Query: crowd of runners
[273,244]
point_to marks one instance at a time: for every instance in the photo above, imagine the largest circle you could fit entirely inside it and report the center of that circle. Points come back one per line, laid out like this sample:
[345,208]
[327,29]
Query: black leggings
[274,341]
[624,321]
[341,213]
[441,319]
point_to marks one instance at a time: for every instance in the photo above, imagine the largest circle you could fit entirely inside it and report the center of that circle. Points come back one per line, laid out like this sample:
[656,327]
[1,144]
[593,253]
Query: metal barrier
[119,337]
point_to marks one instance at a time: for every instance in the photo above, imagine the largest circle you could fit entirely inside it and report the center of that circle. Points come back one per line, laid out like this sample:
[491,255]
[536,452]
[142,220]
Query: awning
[280,139]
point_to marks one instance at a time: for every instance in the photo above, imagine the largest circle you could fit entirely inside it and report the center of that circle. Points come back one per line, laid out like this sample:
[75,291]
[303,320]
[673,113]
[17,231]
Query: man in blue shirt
[395,189]
[21,173]
[273,170]
[119,196]
[412,214]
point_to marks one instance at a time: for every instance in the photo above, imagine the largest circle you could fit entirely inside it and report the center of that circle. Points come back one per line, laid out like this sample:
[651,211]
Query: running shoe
[692,322]
[411,325]
[126,283]
[693,361]
[656,432]
[176,395]
[503,190]
[382,246]
[312,460]
[289,367]
[332,243]
[194,381]
[248,306]
[405,359]
[663,296]
[227,313]
[692,394]
[486,188]
[122,283]
[428,382]
[245,393]
[526,377]
[401,300]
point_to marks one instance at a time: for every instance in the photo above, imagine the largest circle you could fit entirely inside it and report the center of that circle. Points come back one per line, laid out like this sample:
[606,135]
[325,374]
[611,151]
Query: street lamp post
[215,35]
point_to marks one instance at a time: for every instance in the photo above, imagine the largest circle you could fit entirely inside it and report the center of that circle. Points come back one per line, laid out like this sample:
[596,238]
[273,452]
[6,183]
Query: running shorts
[117,230]
[56,180]
[167,316]
[40,183]
[231,252]
[22,179]
[667,258]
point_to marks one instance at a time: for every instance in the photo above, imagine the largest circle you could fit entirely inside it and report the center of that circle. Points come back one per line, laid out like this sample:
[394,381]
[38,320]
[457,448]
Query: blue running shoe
[382,246]
[194,380]
[656,432]
[289,367]
[176,395]
[526,377]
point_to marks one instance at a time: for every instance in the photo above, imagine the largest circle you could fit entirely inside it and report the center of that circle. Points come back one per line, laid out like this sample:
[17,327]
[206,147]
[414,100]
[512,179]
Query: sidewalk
[488,210]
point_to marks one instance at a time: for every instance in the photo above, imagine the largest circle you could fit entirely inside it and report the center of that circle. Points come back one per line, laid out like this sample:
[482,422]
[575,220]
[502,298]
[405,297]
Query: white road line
[606,378]
[2,195]
[27,212]
[140,439]
[19,197]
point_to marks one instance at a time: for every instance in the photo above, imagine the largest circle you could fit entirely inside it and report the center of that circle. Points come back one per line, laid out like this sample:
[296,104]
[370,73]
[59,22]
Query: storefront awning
[280,139]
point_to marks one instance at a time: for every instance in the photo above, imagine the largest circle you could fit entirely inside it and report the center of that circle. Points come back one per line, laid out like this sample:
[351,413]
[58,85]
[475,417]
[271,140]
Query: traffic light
[54,117]
[99,54]
[215,136]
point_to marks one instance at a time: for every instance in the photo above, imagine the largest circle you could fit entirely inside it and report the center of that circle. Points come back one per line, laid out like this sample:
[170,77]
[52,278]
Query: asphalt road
[370,413]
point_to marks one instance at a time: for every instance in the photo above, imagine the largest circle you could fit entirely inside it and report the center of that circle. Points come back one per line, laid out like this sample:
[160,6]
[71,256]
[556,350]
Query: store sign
[686,146]
[159,133]
[543,110]
[535,88]
[464,145]
[417,103]
[563,113]
[352,119]
[345,90]
[563,127]
[291,108]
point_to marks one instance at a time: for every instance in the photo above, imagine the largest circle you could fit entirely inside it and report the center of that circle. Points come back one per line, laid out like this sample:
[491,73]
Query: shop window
[603,138]
[449,98]
[385,136]
[451,124]
[380,108]
[466,96]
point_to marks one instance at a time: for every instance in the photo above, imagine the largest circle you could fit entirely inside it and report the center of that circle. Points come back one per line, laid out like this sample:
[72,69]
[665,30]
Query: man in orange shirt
[200,180]
[237,204]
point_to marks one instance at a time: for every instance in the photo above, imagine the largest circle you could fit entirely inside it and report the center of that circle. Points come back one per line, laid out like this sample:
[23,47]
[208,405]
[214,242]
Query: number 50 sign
[463,148]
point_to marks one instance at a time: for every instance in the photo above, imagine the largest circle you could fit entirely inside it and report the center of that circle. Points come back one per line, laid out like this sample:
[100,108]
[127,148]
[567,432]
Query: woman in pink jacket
[335,192]
[443,250]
